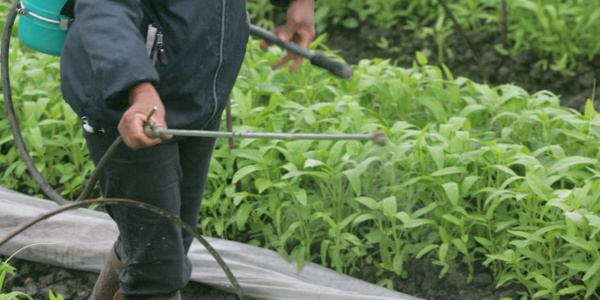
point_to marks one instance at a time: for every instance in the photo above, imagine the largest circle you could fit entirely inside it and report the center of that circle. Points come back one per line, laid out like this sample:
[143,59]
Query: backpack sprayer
[43,27]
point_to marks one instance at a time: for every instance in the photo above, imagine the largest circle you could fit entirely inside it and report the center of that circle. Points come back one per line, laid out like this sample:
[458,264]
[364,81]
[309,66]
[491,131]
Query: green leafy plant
[472,174]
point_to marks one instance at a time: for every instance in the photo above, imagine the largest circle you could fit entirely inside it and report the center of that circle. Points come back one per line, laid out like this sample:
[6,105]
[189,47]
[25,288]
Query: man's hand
[143,98]
[299,28]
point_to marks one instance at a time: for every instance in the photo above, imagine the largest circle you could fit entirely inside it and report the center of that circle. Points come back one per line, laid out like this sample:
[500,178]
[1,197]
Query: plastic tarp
[80,239]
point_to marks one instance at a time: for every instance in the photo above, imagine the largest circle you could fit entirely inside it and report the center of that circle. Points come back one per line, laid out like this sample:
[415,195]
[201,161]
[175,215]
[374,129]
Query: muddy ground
[423,281]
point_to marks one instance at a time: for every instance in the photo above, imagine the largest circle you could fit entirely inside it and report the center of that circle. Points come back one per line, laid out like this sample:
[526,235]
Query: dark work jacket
[105,55]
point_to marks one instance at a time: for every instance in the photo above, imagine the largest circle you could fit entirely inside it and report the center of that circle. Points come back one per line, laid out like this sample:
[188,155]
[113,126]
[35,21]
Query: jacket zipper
[161,52]
[155,45]
[218,71]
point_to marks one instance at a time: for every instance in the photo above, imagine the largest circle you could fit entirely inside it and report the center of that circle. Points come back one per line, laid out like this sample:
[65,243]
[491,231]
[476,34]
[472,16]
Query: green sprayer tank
[41,25]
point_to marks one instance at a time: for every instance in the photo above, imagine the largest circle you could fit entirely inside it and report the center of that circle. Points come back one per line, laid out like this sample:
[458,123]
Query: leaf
[486,243]
[242,214]
[544,281]
[451,189]
[471,108]
[452,219]
[368,202]
[389,206]
[301,196]
[324,247]
[581,267]
[425,210]
[347,221]
[53,296]
[421,58]
[353,175]
[461,246]
[413,223]
[443,251]
[398,263]
[437,154]
[434,106]
[592,271]
[449,171]
[579,242]
[562,165]
[571,290]
[538,186]
[350,23]
[540,294]
[311,163]
[362,218]
[505,169]
[262,184]
[243,172]
[426,250]
[504,278]
[467,184]
[353,239]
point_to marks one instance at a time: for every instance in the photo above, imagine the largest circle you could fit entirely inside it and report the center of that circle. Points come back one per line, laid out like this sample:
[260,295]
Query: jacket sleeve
[110,36]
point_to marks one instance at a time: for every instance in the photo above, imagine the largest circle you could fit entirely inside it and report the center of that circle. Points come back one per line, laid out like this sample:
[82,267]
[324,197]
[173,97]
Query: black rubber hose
[336,67]
[171,217]
[16,131]
[8,104]
[96,174]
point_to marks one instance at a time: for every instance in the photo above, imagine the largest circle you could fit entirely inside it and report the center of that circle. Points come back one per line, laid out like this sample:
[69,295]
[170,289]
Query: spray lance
[153,130]
[337,68]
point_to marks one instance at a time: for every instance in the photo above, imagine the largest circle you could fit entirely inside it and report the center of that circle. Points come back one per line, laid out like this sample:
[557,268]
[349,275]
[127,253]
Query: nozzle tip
[380,138]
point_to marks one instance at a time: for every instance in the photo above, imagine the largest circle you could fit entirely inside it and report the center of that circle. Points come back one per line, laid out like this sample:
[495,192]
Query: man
[115,69]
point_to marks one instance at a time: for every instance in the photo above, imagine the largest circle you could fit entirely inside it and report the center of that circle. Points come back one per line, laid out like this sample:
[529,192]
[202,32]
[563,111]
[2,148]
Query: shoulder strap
[68,9]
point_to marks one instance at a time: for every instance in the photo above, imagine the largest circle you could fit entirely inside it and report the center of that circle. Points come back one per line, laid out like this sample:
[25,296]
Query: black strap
[68,9]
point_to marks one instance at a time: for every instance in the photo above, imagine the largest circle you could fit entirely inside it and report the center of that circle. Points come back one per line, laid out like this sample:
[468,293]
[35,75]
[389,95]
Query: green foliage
[562,33]
[471,174]
[51,130]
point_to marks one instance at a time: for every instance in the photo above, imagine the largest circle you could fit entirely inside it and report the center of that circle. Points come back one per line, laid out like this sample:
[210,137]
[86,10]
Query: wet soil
[37,279]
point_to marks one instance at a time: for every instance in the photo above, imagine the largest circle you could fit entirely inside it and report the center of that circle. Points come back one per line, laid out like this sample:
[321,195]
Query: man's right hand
[143,98]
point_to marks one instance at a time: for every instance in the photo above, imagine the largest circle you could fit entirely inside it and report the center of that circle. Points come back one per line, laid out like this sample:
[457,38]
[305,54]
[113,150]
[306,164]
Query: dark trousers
[171,176]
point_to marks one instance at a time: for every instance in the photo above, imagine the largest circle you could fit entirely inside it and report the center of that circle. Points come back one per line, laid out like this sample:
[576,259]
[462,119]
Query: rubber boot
[175,296]
[108,282]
